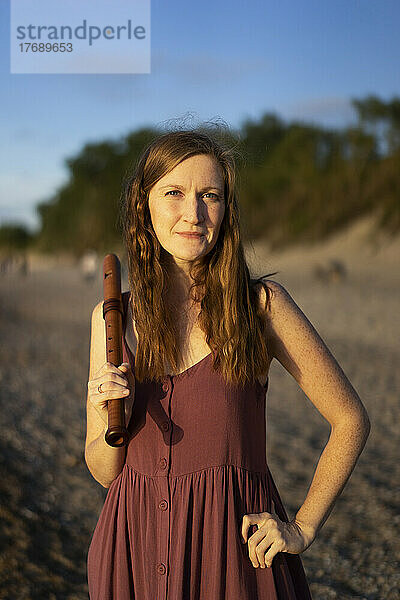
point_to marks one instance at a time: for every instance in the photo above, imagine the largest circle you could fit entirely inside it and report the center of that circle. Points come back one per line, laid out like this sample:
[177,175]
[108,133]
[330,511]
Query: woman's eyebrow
[207,187]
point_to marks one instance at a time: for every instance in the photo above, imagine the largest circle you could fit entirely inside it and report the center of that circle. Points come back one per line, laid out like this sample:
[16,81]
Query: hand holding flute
[111,383]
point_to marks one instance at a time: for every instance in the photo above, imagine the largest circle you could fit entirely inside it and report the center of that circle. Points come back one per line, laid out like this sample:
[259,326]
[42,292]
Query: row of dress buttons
[165,424]
[161,568]
[163,504]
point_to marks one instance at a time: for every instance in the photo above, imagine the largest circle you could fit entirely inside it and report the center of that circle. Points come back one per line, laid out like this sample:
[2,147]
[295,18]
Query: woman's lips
[192,235]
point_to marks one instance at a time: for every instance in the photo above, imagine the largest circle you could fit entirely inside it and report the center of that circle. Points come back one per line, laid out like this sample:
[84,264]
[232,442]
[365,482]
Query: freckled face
[190,198]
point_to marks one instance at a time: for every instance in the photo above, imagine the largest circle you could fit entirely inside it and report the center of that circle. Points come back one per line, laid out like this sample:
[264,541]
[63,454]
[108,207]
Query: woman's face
[190,198]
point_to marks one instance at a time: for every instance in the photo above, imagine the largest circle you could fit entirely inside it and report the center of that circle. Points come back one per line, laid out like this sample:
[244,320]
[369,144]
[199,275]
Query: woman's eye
[171,191]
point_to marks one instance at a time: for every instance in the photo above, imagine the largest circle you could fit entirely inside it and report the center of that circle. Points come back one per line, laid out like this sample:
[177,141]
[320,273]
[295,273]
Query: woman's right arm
[103,461]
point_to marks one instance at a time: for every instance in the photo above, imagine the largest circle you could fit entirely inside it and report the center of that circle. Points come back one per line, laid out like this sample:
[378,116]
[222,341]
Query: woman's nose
[193,206]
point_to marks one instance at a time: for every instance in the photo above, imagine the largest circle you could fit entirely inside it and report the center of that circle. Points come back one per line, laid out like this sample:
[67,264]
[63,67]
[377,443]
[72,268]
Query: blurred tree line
[297,182]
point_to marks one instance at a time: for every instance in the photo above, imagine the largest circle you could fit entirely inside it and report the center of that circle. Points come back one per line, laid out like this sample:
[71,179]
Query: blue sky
[215,59]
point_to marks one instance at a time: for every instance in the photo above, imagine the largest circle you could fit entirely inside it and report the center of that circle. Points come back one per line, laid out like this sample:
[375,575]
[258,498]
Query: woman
[192,511]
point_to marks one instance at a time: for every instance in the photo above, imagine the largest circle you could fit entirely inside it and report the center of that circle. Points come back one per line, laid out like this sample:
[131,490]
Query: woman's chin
[187,256]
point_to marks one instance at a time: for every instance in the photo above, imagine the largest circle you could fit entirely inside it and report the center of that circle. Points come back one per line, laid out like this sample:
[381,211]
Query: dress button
[163,463]
[161,568]
[163,505]
[165,425]
[165,387]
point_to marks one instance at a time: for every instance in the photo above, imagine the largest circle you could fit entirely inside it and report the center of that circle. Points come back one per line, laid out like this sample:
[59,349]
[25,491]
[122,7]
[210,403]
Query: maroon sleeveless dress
[170,527]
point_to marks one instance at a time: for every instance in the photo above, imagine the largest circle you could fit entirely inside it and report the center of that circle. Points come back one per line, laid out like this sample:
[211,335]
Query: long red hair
[230,314]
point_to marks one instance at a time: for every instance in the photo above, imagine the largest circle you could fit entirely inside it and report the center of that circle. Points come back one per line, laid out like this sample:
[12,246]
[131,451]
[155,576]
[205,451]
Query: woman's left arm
[295,343]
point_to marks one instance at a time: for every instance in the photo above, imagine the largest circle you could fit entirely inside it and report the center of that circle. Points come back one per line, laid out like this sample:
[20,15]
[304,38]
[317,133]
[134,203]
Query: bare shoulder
[98,310]
[287,325]
[270,293]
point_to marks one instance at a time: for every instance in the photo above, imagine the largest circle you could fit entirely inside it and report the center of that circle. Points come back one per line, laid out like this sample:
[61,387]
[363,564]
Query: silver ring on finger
[99,389]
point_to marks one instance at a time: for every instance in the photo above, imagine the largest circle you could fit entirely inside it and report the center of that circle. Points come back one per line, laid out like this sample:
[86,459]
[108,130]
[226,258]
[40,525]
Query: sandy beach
[49,502]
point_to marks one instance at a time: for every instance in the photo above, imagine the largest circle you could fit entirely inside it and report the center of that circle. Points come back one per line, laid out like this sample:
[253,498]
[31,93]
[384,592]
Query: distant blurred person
[23,265]
[89,265]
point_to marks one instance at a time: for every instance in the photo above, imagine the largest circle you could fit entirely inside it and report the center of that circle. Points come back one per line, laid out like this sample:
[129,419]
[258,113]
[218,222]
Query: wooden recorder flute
[117,435]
